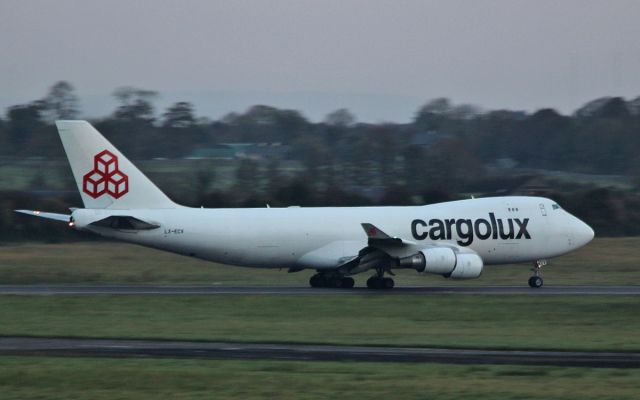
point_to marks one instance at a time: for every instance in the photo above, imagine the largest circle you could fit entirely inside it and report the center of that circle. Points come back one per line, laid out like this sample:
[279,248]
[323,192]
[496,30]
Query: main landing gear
[336,280]
[536,280]
[324,280]
[378,281]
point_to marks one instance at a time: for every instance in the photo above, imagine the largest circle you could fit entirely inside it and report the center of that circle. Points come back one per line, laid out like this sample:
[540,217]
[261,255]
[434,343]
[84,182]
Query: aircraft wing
[377,238]
[381,245]
[348,254]
[398,247]
[332,255]
[47,215]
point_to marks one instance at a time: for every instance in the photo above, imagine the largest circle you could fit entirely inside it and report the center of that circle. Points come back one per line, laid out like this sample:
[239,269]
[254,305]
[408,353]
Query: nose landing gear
[536,280]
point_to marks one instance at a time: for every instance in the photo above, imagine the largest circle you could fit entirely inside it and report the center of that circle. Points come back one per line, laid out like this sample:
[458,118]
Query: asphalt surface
[233,351]
[73,289]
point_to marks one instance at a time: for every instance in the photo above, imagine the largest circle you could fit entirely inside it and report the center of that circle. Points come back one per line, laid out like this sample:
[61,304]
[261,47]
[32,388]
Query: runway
[147,290]
[29,346]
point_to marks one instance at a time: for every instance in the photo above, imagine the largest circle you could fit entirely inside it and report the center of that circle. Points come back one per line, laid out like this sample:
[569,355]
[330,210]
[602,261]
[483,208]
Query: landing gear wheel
[376,282]
[535,282]
[348,283]
[372,282]
[388,283]
[335,282]
[316,281]
[324,280]
[320,281]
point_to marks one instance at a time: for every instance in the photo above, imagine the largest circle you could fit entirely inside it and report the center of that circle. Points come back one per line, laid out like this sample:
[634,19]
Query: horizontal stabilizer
[125,223]
[47,215]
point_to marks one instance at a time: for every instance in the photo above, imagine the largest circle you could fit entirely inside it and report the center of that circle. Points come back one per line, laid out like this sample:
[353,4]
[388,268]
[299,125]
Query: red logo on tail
[105,177]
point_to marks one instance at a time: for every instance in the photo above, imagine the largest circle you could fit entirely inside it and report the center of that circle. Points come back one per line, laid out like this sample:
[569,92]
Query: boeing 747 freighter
[454,239]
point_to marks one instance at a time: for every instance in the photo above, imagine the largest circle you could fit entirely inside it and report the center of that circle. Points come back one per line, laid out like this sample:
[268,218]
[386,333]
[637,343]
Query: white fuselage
[323,238]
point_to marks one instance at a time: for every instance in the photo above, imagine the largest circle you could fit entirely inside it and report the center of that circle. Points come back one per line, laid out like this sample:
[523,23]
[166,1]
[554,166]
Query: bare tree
[61,102]
[180,116]
[135,104]
[340,118]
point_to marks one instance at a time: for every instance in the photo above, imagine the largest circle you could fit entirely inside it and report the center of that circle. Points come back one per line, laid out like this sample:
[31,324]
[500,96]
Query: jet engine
[444,261]
[469,266]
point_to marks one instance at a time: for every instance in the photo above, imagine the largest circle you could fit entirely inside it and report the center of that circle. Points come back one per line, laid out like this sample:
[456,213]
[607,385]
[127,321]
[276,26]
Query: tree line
[447,151]
[602,137]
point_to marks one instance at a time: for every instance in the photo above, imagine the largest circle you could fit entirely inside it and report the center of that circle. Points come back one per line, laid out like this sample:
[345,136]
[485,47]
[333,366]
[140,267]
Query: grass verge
[501,322]
[607,261]
[89,378]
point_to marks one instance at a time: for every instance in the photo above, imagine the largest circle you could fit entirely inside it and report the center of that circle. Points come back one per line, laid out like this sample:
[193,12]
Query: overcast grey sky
[381,58]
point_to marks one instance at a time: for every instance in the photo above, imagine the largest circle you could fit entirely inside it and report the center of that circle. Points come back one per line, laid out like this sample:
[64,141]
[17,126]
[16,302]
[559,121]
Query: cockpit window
[555,206]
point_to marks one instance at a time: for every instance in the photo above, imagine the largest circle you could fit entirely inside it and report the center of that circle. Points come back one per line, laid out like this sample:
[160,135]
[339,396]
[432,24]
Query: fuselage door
[543,211]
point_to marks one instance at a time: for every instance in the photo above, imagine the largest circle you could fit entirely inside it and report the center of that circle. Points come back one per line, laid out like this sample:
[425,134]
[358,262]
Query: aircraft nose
[583,233]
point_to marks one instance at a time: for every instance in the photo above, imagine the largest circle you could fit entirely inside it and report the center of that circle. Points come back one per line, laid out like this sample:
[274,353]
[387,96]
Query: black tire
[315,281]
[348,283]
[535,282]
[335,282]
[372,282]
[388,283]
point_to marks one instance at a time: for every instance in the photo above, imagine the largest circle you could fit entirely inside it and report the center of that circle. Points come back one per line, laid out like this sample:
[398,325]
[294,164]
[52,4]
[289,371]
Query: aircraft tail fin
[106,178]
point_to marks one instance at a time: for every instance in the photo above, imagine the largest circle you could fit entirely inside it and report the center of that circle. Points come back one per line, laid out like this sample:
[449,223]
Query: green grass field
[96,379]
[600,323]
[605,261]
[498,322]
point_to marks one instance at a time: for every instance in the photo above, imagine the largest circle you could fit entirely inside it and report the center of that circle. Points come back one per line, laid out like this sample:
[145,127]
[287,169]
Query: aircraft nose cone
[583,233]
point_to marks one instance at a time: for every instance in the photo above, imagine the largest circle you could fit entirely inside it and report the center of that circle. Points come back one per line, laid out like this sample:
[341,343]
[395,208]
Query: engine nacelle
[444,261]
[468,266]
[436,260]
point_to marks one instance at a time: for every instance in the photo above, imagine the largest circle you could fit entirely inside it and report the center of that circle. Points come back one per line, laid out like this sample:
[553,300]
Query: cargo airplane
[454,239]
